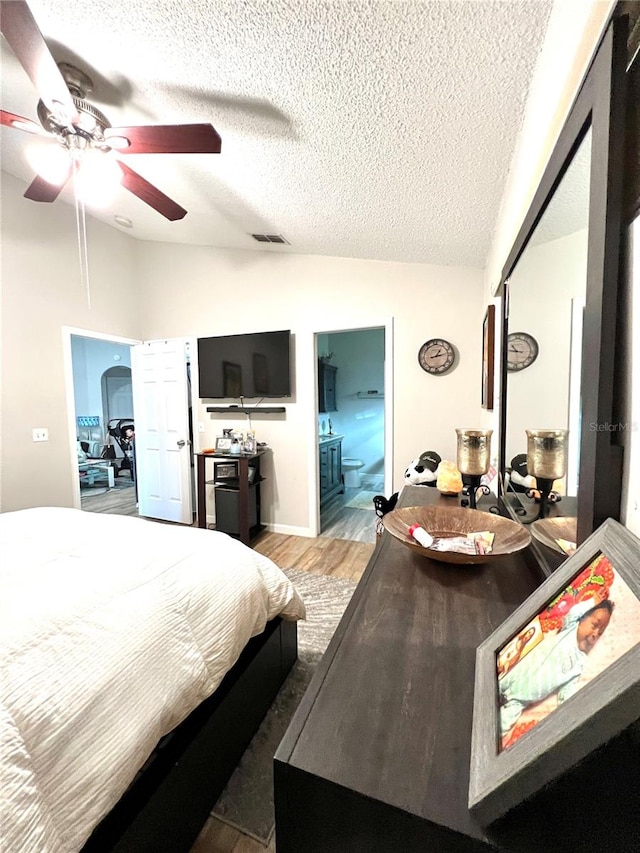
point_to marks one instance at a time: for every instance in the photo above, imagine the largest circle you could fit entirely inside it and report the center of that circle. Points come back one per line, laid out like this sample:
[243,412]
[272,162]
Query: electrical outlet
[40,434]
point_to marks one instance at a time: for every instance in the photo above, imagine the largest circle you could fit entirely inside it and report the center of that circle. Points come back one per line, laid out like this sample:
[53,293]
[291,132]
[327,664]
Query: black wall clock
[436,356]
[522,351]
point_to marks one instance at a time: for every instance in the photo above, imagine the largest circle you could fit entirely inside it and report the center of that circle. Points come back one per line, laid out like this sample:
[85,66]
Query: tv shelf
[249,410]
[236,481]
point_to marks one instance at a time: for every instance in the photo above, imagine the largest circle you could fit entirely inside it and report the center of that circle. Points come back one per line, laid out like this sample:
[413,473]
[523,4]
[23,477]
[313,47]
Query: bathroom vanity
[330,466]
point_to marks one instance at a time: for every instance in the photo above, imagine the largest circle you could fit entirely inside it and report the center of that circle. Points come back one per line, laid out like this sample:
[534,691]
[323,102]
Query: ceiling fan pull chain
[81,229]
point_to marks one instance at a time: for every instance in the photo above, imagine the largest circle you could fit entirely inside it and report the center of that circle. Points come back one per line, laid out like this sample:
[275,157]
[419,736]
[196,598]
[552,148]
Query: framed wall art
[488,357]
[560,677]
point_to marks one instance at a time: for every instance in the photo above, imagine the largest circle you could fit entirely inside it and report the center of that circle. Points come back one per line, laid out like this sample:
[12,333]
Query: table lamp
[546,460]
[473,460]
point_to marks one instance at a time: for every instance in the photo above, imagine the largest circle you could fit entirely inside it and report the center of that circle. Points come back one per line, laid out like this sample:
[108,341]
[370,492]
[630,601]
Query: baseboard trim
[290,530]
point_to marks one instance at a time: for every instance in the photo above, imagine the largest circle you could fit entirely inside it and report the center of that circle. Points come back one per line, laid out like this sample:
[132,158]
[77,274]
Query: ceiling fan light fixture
[22,125]
[50,162]
[120,143]
[98,178]
[81,128]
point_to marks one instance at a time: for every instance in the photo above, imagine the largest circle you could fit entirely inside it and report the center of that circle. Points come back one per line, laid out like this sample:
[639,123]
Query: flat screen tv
[251,365]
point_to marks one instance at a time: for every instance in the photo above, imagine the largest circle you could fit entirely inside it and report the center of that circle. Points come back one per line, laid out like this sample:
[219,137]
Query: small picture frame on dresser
[560,678]
[223,444]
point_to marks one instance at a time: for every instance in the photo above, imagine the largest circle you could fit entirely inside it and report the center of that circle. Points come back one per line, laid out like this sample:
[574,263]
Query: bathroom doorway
[351,419]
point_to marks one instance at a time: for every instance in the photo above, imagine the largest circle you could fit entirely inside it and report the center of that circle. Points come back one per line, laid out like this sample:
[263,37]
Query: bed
[137,661]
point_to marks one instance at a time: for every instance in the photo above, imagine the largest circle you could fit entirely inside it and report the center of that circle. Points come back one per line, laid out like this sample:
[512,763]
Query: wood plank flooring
[337,520]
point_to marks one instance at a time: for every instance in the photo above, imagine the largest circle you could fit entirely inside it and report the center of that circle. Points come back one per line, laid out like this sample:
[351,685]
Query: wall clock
[436,356]
[522,351]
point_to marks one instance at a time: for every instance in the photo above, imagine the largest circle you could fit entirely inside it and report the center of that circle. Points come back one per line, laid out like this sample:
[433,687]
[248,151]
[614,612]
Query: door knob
[181,442]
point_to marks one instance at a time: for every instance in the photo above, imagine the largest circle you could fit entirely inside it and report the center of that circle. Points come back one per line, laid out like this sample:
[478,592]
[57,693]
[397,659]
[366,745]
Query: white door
[161,416]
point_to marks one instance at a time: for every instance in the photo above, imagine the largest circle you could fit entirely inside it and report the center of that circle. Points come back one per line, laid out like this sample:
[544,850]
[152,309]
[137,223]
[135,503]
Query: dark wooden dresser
[376,758]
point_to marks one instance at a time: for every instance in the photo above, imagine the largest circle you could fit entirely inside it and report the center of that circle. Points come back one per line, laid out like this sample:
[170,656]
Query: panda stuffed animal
[521,480]
[423,471]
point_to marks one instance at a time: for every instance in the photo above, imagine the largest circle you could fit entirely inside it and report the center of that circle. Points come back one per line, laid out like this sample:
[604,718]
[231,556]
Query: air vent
[270,238]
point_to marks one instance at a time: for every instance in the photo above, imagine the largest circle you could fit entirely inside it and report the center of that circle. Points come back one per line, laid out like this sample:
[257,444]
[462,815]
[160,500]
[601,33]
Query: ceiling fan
[74,123]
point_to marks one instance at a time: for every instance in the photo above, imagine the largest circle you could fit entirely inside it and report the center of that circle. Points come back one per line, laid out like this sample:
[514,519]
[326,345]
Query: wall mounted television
[250,365]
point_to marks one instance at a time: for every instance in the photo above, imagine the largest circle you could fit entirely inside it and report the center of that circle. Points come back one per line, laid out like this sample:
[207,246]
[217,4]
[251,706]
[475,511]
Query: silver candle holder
[546,460]
[473,460]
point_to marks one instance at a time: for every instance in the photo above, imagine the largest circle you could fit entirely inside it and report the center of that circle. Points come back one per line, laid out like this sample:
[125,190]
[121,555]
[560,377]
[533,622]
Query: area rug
[247,801]
[119,484]
[363,500]
[124,481]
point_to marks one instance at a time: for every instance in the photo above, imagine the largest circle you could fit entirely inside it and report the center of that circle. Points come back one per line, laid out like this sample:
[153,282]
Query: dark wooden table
[377,756]
[243,461]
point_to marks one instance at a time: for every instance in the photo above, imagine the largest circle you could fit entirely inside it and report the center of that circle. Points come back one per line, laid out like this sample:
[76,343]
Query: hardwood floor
[340,521]
[337,520]
[343,557]
[121,500]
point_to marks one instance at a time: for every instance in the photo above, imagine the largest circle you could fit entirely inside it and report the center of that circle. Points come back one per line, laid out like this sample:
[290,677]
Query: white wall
[541,288]
[41,293]
[205,291]
[188,290]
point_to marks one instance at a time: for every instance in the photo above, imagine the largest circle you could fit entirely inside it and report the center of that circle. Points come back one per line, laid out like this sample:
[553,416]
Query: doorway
[352,423]
[116,376]
[101,400]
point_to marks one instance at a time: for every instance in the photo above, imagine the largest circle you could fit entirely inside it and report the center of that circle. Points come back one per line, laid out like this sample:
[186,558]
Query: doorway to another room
[351,431]
[104,424]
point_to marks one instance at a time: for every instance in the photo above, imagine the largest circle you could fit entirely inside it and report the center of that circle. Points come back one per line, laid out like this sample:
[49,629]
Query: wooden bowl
[548,530]
[510,536]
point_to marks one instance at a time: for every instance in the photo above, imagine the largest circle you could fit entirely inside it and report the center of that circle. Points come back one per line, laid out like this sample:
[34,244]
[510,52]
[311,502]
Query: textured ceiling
[355,128]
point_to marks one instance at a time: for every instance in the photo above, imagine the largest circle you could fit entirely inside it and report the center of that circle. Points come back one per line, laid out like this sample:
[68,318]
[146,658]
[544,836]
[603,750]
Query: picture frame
[223,443]
[488,357]
[506,770]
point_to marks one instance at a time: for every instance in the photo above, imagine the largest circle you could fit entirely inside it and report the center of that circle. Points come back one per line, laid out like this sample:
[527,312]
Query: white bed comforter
[112,630]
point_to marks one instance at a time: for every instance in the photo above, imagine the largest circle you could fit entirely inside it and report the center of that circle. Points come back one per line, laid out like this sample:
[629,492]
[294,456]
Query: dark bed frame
[170,799]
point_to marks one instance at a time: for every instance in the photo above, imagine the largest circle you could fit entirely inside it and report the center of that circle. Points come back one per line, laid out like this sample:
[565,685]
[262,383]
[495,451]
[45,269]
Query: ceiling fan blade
[25,39]
[41,190]
[137,185]
[167,139]
[21,123]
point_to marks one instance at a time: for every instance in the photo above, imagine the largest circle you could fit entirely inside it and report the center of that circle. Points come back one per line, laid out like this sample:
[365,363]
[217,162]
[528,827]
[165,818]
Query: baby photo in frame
[560,677]
[566,647]
[223,444]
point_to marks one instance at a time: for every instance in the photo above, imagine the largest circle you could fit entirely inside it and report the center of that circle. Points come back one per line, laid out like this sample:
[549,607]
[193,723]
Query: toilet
[351,472]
